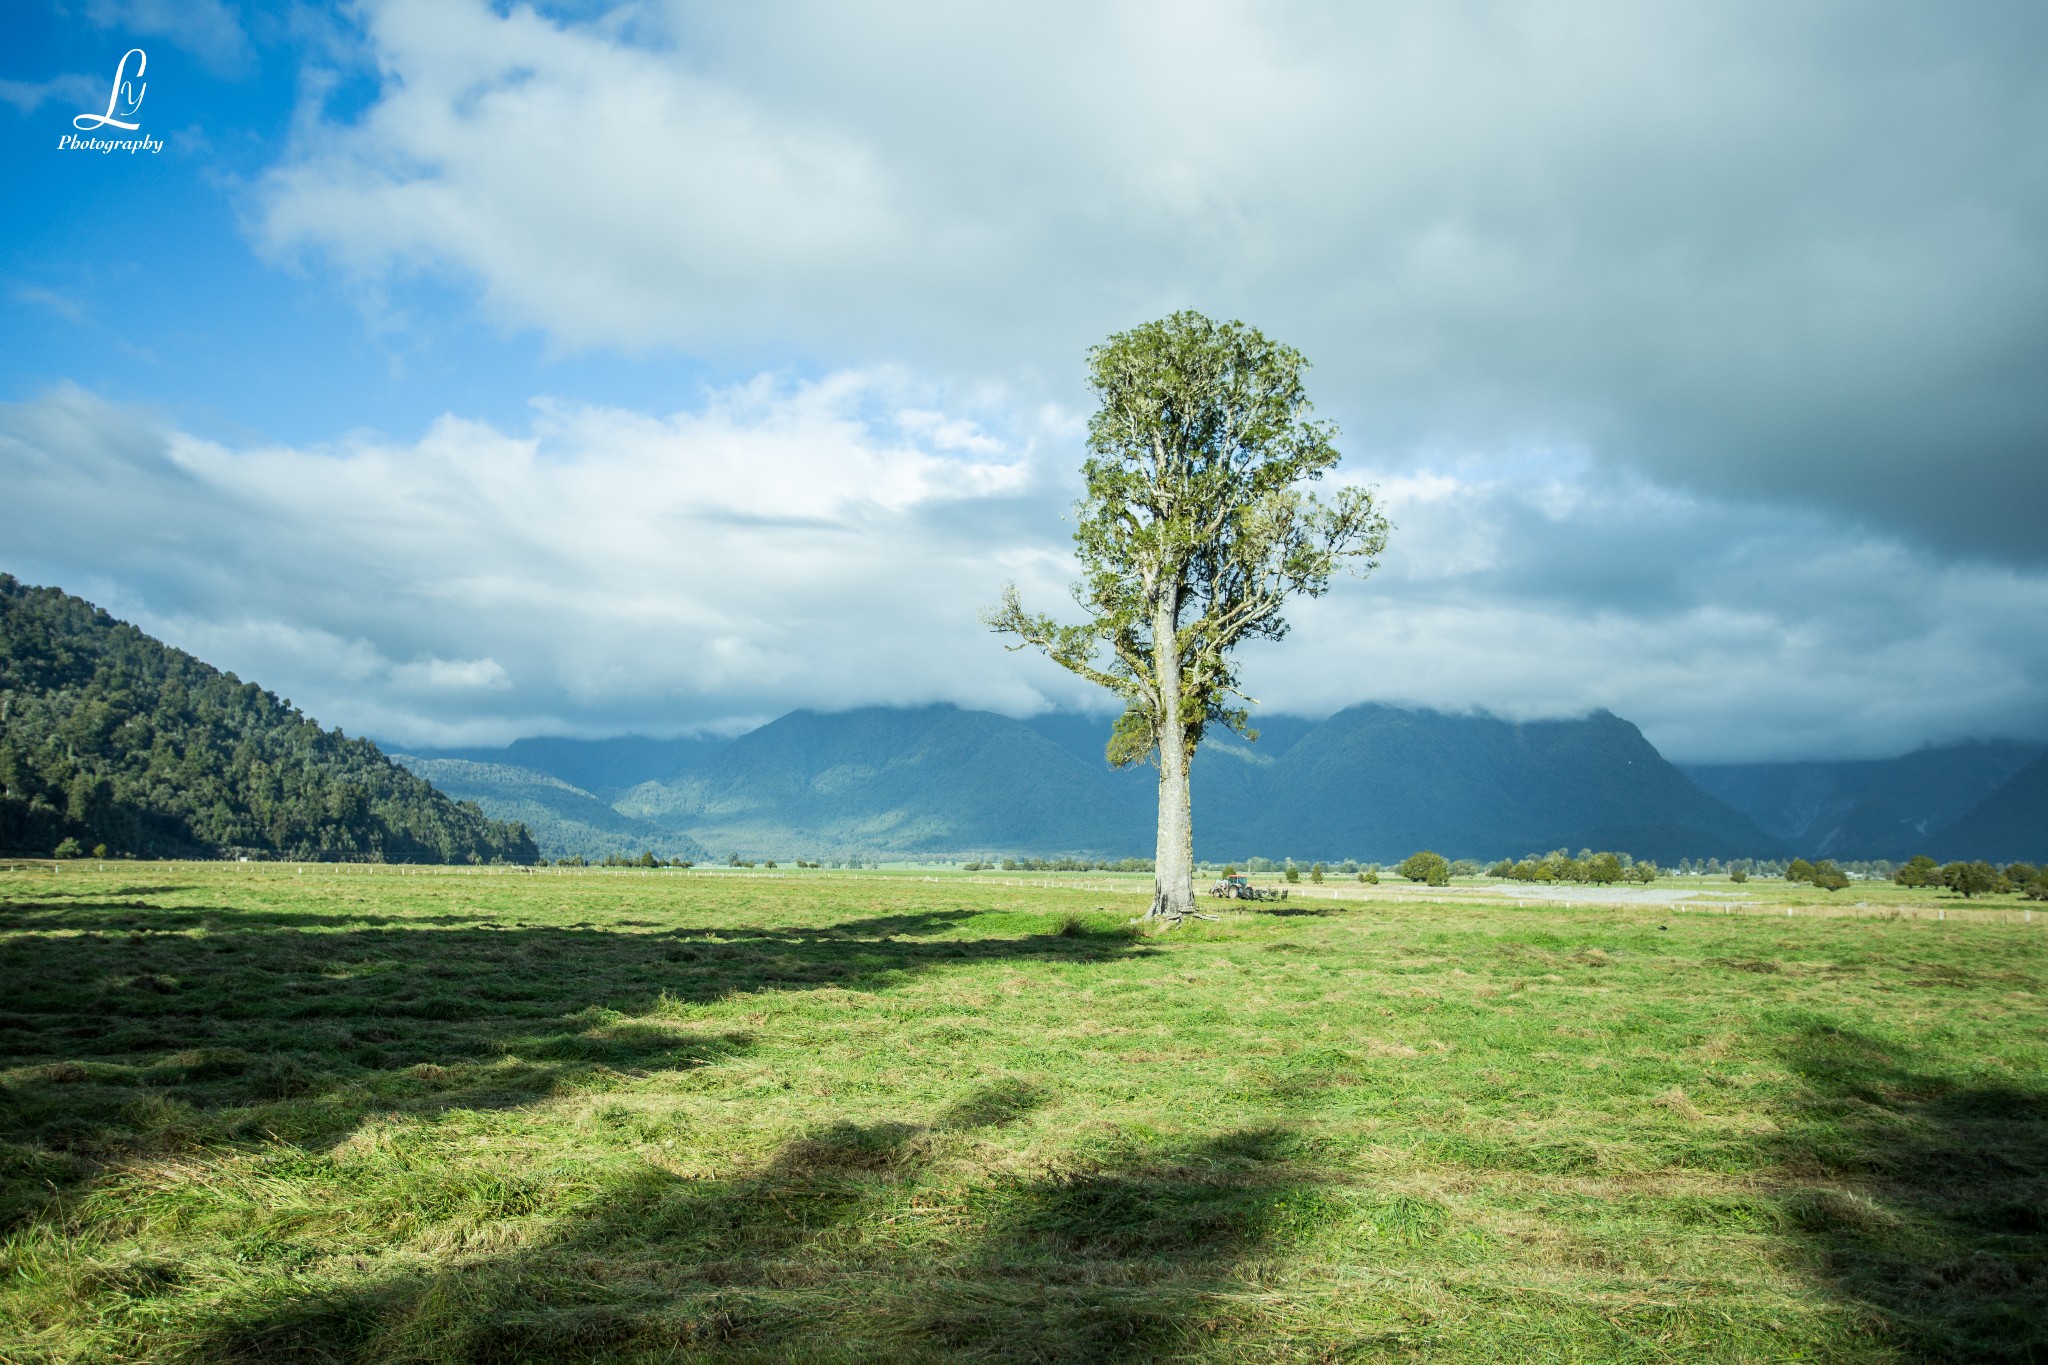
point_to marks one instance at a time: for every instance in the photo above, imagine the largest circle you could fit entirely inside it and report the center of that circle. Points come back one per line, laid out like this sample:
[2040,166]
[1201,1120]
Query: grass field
[255,1114]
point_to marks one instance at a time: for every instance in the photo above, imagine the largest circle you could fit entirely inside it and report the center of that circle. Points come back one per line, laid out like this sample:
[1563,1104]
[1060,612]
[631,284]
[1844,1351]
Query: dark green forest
[112,740]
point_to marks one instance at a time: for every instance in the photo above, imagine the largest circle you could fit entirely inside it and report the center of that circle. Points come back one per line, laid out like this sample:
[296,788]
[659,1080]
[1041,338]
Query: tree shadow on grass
[820,1255]
[1929,1199]
[124,1036]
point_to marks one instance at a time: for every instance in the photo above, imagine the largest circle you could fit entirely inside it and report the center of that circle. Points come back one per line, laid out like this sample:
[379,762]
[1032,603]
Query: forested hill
[110,737]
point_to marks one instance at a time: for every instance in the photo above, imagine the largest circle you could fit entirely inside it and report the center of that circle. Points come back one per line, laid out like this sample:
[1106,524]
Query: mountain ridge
[565,820]
[1869,808]
[111,737]
[2009,824]
[939,779]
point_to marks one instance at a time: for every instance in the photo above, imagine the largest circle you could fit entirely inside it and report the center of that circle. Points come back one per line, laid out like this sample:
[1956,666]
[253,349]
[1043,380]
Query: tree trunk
[1173,883]
[1173,878]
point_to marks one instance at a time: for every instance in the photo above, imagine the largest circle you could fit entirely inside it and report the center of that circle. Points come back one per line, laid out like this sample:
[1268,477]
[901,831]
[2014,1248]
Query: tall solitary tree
[1194,531]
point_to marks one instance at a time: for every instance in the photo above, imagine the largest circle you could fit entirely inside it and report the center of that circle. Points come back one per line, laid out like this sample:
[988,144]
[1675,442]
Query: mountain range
[1372,782]
[1955,800]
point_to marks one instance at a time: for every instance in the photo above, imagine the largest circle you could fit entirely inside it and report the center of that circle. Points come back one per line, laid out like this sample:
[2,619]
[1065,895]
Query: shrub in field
[1823,874]
[1293,873]
[1425,866]
[1370,876]
[1921,871]
[1739,875]
[1970,879]
[1315,874]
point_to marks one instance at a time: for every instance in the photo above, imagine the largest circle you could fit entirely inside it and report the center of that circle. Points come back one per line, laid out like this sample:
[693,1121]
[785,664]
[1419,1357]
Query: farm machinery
[1241,889]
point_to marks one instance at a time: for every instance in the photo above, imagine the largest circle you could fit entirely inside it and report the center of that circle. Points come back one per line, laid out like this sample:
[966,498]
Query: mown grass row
[262,1116]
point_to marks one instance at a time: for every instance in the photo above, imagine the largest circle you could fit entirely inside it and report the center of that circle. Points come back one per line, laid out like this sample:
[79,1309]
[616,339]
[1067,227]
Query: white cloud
[73,88]
[207,29]
[830,544]
[588,182]
[1725,632]
[453,675]
[779,545]
[50,300]
[1755,250]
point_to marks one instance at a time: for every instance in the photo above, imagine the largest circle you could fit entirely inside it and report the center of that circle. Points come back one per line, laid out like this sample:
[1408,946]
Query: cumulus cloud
[1533,584]
[779,545]
[1753,251]
[830,544]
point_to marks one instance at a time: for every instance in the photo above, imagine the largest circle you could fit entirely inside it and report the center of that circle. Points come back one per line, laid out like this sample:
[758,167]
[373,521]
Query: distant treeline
[113,744]
[1977,878]
[1590,868]
[1061,865]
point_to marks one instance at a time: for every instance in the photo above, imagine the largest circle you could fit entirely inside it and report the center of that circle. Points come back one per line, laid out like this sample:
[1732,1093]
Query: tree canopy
[1194,531]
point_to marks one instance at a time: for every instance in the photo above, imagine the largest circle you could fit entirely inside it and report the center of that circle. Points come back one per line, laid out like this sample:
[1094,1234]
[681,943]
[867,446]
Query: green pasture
[252,1113]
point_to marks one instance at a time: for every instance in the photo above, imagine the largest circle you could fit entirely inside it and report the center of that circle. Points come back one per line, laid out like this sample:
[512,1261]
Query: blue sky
[468,371]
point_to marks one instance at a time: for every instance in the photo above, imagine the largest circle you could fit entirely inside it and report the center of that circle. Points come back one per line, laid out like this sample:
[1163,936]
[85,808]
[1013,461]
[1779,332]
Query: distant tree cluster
[113,741]
[1742,869]
[1823,874]
[1587,868]
[1976,878]
[646,859]
[1063,865]
[1430,868]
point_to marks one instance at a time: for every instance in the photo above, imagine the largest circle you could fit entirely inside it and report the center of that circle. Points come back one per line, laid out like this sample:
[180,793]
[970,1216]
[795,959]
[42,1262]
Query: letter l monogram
[118,96]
